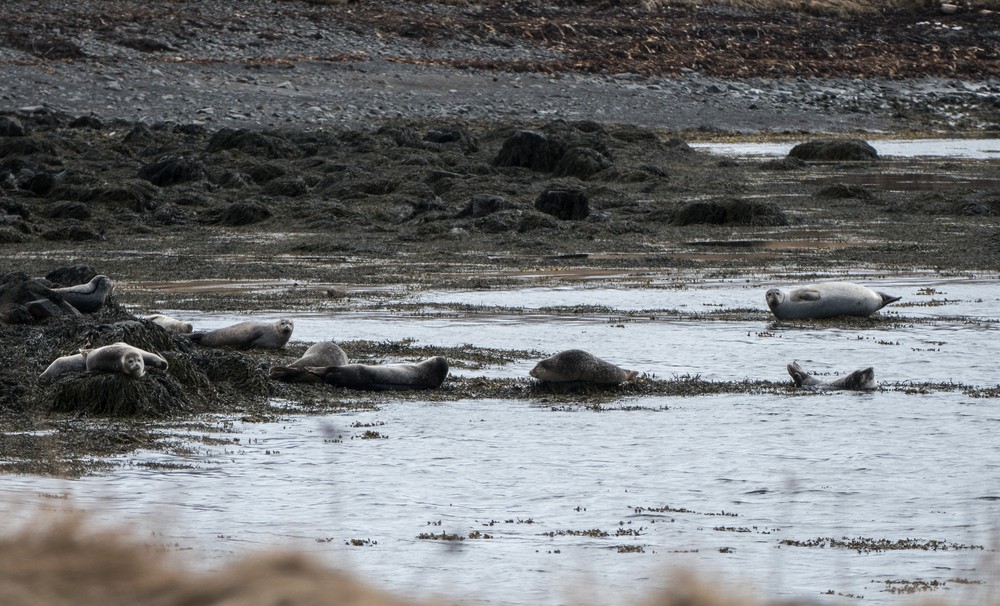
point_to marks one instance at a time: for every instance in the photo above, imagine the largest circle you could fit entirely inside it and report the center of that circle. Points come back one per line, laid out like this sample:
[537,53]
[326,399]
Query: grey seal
[859,380]
[826,300]
[428,374]
[248,335]
[124,358]
[578,366]
[171,324]
[89,297]
[325,353]
[64,365]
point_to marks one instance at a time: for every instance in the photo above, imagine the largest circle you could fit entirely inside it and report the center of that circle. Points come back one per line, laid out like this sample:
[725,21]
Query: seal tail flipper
[799,376]
[887,299]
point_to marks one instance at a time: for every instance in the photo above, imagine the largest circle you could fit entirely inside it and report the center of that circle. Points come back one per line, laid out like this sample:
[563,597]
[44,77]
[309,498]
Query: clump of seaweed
[117,395]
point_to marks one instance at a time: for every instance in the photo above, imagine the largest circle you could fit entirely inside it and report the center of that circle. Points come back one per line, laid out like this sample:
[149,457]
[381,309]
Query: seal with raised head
[578,366]
[64,365]
[826,300]
[124,358]
[428,374]
[859,380]
[324,353]
[248,335]
[169,324]
[89,297]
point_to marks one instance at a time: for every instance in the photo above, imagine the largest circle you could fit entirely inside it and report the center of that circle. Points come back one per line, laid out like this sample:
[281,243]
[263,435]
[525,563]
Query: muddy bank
[297,64]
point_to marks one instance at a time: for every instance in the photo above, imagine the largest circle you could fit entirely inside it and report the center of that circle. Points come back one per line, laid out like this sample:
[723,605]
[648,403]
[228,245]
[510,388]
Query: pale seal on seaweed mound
[826,300]
[89,297]
[428,374]
[325,353]
[248,335]
[121,357]
[170,324]
[64,365]
[859,380]
[576,365]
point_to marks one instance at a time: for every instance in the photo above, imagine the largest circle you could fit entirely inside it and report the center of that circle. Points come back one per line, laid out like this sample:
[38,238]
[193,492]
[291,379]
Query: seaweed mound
[730,212]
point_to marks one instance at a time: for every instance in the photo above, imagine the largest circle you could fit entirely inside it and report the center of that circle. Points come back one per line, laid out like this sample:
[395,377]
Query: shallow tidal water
[570,504]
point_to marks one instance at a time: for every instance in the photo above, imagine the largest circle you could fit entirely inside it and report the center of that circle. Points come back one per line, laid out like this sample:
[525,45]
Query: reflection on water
[975,149]
[928,182]
[562,504]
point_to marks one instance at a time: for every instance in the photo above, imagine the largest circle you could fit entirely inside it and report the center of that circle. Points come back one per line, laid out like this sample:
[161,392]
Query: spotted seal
[428,374]
[578,366]
[826,300]
[90,297]
[122,358]
[325,353]
[248,335]
[170,324]
[859,380]
[64,365]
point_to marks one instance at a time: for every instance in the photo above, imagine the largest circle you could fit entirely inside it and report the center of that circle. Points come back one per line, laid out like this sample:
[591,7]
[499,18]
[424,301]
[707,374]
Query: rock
[530,149]
[481,205]
[730,212]
[949,9]
[564,204]
[581,162]
[238,213]
[834,150]
[11,127]
[172,170]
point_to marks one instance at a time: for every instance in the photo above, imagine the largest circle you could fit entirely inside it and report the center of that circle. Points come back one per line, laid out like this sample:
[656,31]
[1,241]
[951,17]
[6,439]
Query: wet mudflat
[355,173]
[574,499]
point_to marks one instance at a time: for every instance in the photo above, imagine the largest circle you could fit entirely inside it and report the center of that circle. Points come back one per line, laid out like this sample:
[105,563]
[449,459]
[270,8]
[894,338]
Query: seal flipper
[887,299]
[809,294]
[799,376]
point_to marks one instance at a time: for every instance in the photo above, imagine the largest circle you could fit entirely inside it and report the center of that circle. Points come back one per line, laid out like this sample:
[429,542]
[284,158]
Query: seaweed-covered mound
[195,380]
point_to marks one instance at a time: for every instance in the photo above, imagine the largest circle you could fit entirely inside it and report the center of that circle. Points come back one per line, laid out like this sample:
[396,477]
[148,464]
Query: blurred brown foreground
[64,560]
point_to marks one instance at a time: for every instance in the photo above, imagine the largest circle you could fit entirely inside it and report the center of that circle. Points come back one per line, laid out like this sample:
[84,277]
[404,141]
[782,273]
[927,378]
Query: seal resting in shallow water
[578,366]
[170,324]
[89,297]
[859,380]
[248,335]
[826,300]
[429,374]
[325,353]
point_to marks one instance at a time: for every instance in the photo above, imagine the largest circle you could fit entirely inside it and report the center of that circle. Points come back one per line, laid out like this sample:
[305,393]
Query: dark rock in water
[530,149]
[238,213]
[71,276]
[565,204]
[25,146]
[834,150]
[730,212]
[581,162]
[845,190]
[481,205]
[172,170]
[783,164]
[11,127]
